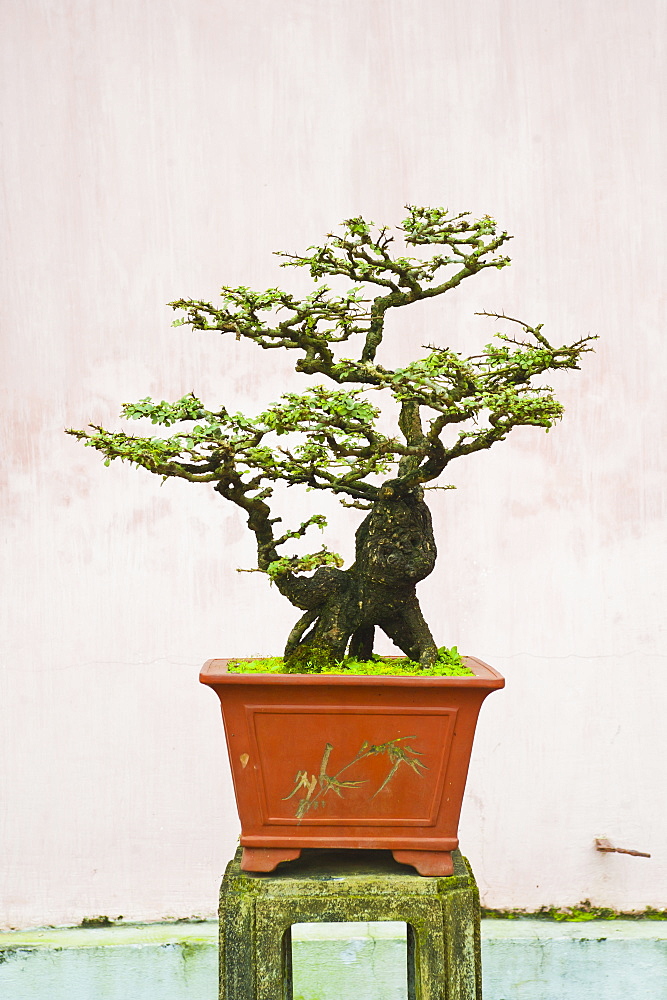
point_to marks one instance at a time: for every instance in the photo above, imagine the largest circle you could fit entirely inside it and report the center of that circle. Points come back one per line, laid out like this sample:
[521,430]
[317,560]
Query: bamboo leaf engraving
[335,785]
[316,787]
[302,781]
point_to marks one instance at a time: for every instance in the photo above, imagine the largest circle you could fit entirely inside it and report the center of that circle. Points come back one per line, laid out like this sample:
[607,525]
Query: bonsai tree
[327,437]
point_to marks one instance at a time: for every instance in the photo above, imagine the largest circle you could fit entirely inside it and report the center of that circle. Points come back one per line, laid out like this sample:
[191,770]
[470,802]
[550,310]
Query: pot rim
[215,672]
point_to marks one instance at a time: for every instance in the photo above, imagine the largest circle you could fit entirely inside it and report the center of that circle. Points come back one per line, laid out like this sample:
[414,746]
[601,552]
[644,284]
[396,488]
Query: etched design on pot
[316,787]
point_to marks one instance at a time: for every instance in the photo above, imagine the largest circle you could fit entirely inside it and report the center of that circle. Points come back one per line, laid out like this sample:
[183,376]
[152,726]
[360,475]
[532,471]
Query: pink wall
[153,150]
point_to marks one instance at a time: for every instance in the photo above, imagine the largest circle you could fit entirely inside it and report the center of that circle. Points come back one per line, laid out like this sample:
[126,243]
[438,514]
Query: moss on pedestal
[257,912]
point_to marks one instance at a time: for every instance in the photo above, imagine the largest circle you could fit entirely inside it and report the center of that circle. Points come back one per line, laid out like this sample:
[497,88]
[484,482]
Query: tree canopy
[327,437]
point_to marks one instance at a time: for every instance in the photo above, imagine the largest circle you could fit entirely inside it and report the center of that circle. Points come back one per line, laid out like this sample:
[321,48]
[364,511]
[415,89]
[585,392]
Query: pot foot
[427,862]
[265,859]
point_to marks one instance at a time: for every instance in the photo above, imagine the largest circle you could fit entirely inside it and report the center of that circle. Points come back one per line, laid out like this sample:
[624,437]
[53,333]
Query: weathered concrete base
[257,912]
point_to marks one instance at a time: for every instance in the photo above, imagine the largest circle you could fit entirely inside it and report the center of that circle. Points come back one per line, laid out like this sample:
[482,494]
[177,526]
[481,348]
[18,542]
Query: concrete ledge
[525,929]
[592,960]
[522,960]
[180,932]
[172,961]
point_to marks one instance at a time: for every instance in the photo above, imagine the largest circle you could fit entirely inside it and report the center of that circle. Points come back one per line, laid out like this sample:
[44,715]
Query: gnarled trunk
[395,549]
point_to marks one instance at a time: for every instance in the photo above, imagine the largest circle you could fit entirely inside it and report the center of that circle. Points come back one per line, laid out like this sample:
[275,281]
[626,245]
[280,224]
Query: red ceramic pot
[335,761]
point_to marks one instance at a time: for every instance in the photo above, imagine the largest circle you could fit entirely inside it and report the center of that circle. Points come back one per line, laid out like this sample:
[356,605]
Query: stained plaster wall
[158,150]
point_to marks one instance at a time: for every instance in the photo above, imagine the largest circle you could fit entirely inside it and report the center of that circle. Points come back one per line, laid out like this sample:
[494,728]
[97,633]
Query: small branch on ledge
[606,846]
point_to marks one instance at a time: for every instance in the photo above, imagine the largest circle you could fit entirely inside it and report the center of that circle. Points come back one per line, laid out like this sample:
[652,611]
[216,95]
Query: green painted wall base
[258,911]
[364,961]
[169,961]
[596,960]
[523,960]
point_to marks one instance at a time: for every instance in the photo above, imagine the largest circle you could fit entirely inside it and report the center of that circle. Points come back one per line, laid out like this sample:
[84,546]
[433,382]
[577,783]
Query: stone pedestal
[257,912]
